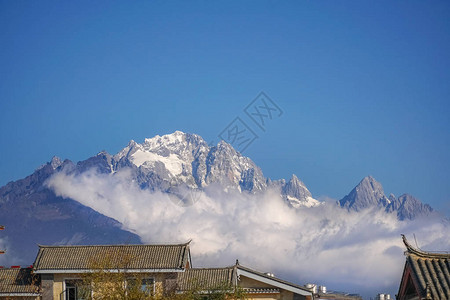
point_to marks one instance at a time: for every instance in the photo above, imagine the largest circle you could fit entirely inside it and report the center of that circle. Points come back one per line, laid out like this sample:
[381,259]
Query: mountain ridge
[32,214]
[185,161]
[369,193]
[163,163]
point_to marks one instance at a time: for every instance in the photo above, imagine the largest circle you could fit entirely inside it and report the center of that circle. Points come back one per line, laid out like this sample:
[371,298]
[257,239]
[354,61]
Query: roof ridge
[115,245]
[217,268]
[425,254]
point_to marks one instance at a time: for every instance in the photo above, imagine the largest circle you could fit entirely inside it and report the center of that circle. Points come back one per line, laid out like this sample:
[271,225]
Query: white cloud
[357,252]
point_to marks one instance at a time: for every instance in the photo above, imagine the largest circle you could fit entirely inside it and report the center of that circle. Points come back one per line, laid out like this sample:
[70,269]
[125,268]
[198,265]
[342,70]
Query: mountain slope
[32,214]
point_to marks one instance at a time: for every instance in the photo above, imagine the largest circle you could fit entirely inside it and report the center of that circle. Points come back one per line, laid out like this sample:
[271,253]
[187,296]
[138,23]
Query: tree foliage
[110,279]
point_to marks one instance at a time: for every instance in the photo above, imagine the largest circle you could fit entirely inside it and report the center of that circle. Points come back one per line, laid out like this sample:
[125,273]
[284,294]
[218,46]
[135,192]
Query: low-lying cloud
[356,252]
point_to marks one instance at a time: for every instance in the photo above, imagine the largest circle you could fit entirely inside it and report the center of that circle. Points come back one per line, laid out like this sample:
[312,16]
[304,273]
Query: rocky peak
[56,162]
[296,193]
[368,193]
[411,208]
[296,188]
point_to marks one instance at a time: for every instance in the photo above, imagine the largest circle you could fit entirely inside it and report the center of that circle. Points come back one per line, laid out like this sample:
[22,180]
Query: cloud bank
[355,252]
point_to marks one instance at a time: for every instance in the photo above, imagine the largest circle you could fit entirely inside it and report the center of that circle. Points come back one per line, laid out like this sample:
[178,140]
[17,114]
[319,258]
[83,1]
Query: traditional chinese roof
[205,279]
[132,258]
[426,274]
[18,282]
[213,278]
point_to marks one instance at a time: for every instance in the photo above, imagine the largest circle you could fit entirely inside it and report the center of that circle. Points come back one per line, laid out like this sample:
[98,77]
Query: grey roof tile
[18,281]
[205,279]
[429,269]
[131,257]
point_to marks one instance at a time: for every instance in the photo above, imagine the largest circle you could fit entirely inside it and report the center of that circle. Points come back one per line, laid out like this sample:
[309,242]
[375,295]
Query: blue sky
[364,86]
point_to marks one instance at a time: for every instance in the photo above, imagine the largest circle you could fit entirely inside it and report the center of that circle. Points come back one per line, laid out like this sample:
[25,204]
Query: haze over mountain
[175,187]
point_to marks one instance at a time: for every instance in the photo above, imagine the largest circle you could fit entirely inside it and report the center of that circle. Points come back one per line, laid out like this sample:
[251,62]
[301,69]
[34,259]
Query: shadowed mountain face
[369,193]
[32,214]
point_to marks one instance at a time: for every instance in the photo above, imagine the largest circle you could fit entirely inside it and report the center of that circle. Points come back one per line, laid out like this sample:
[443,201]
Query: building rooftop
[429,271]
[18,281]
[133,258]
[207,278]
[213,278]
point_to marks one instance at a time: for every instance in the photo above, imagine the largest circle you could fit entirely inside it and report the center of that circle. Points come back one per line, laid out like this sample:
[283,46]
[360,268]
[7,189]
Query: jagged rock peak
[368,193]
[411,208]
[295,187]
[370,183]
[103,153]
[179,158]
[296,193]
[174,138]
[56,162]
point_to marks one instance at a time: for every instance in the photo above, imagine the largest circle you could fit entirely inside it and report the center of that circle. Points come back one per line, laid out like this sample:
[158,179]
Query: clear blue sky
[364,85]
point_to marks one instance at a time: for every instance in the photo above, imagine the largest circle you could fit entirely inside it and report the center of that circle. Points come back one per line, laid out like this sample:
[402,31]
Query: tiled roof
[129,257]
[18,281]
[204,279]
[430,272]
[218,277]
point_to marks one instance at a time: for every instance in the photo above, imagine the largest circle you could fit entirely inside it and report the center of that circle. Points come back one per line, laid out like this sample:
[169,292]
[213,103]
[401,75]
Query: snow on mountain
[183,161]
[186,159]
[297,194]
[182,158]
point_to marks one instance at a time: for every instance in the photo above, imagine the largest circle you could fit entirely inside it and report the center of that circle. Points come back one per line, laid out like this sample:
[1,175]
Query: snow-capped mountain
[182,158]
[369,193]
[296,193]
[33,213]
[185,160]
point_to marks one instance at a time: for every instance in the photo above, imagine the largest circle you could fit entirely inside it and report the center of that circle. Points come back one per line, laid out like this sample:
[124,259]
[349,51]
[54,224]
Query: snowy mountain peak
[370,183]
[179,158]
[168,139]
[297,194]
[294,179]
[182,160]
